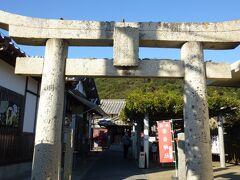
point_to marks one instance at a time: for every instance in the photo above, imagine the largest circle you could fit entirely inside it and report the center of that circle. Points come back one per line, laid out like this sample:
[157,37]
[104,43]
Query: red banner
[165,141]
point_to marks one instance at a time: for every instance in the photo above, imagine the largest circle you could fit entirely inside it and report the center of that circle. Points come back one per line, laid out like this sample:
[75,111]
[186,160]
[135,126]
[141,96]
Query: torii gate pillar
[196,118]
[47,150]
[126,38]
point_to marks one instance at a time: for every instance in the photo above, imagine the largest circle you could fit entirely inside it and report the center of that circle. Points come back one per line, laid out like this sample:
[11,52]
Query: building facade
[18,107]
[19,97]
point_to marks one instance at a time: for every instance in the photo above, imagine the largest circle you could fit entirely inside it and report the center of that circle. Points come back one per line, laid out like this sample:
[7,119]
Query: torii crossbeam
[126,38]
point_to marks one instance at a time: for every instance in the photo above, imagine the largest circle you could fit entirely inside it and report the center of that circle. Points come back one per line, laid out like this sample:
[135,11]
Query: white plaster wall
[32,85]
[11,81]
[29,113]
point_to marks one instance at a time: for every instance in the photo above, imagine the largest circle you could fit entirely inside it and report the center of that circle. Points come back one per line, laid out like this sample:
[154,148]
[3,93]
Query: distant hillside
[118,88]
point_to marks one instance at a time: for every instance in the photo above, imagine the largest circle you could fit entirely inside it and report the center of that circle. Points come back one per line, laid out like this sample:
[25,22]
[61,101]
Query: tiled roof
[112,106]
[9,50]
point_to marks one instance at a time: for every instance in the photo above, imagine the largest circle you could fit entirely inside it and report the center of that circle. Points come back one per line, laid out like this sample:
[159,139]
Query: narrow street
[109,164]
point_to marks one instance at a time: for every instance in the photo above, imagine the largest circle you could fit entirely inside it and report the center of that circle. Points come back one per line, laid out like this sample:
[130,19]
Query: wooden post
[68,157]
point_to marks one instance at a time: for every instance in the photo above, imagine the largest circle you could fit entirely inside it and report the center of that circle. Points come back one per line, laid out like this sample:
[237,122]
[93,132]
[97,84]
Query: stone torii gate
[126,38]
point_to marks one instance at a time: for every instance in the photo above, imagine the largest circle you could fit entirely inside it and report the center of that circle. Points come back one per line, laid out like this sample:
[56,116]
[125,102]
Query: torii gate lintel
[126,38]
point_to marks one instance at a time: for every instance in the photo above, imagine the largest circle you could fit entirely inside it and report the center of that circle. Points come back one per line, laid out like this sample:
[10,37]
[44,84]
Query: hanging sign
[215,145]
[165,141]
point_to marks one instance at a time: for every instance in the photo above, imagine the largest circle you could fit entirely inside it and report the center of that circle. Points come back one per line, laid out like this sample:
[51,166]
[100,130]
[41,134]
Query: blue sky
[131,10]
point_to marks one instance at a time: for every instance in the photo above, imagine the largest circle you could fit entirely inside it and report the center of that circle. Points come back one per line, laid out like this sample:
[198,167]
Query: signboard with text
[215,145]
[165,141]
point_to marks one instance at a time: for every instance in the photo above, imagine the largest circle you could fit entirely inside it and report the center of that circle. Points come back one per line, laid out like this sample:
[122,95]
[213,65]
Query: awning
[91,106]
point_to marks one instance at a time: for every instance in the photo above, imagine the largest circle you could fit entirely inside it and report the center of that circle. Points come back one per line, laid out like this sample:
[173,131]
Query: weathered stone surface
[30,66]
[214,70]
[197,132]
[125,46]
[221,141]
[35,31]
[234,82]
[47,150]
[181,157]
[104,68]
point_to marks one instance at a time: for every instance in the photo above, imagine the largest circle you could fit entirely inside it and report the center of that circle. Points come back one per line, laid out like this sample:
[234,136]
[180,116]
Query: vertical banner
[165,141]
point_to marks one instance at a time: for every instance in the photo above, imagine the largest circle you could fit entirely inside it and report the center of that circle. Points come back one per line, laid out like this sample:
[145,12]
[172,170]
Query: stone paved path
[111,166]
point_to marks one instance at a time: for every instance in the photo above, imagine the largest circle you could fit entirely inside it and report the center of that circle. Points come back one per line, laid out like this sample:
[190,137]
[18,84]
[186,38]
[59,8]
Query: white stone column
[134,141]
[138,138]
[47,150]
[68,156]
[181,157]
[221,141]
[196,118]
[146,138]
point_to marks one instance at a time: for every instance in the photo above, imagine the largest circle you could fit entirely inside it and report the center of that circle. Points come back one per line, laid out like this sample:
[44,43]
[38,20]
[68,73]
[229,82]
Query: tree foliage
[169,103]
[120,88]
[166,103]
[164,99]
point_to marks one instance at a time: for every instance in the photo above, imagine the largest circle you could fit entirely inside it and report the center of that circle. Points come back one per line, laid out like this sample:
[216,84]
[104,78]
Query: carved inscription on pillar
[197,132]
[126,46]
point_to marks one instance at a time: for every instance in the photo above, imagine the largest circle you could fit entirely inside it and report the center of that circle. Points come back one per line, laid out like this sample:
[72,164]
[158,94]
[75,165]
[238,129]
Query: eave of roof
[91,106]
[9,51]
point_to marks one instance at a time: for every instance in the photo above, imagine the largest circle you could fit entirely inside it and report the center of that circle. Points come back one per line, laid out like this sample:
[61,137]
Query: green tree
[163,99]
[167,104]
